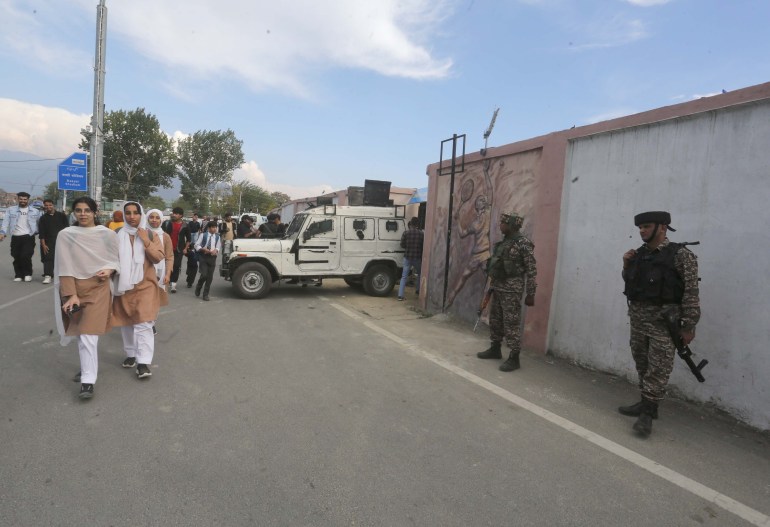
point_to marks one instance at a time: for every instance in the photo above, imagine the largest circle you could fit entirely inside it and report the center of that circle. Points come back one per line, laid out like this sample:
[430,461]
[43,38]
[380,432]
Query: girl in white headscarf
[137,298]
[164,267]
[86,257]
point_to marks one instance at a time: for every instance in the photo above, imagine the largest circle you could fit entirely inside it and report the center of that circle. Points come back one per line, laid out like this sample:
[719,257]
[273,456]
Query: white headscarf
[81,252]
[160,267]
[131,260]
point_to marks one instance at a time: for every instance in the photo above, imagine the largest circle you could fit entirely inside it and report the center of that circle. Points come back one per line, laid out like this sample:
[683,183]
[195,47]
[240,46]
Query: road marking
[752,516]
[9,304]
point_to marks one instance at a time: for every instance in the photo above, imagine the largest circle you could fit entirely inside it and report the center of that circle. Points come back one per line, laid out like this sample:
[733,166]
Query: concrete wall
[707,161]
[711,171]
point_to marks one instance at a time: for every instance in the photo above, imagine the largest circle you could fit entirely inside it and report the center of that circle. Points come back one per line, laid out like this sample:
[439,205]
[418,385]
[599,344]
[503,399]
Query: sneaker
[86,391]
[27,278]
[46,279]
[142,371]
[206,298]
[18,279]
[189,286]
[400,298]
[173,287]
[197,291]
[76,378]
[130,362]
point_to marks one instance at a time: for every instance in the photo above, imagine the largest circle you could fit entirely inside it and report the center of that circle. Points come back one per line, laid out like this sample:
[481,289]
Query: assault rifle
[671,318]
[483,306]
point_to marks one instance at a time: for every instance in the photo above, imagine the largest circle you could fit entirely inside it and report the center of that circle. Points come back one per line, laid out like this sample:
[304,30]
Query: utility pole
[97,119]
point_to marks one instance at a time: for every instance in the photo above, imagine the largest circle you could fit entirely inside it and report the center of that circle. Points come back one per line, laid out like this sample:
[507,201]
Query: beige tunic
[96,303]
[168,249]
[142,303]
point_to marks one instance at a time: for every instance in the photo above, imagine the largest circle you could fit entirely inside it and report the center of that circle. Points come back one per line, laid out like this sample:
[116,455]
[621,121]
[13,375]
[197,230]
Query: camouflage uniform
[511,266]
[651,344]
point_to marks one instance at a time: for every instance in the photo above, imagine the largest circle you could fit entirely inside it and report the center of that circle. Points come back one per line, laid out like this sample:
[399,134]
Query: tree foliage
[52,192]
[280,198]
[138,156]
[206,159]
[244,196]
[154,202]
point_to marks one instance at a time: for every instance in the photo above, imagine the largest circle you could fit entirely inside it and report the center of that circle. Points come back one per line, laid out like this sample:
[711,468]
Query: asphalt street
[323,406]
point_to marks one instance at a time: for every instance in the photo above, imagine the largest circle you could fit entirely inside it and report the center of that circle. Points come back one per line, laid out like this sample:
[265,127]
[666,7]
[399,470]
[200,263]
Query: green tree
[52,192]
[206,159]
[138,156]
[182,201]
[280,198]
[154,202]
[244,196]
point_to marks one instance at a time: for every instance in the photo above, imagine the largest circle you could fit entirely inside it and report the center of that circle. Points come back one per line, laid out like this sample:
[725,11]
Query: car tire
[379,280]
[252,280]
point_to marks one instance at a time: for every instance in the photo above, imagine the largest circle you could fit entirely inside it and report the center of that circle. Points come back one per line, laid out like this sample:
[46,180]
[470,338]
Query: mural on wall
[482,192]
[474,225]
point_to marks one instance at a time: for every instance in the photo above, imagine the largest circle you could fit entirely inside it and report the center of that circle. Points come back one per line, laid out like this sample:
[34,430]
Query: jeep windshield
[295,225]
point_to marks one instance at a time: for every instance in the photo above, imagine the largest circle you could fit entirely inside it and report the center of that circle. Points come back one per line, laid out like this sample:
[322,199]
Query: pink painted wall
[530,181]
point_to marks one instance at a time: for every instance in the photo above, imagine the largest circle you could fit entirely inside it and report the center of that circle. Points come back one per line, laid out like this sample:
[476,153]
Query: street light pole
[97,119]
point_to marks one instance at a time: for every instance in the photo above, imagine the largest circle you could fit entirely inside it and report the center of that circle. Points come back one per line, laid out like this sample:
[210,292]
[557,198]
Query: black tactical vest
[651,276]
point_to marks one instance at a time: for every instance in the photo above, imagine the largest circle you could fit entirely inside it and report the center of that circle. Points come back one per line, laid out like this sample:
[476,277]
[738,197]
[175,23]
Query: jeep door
[318,248]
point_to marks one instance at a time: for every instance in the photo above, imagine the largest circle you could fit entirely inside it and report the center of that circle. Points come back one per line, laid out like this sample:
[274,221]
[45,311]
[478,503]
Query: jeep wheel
[252,280]
[355,283]
[379,280]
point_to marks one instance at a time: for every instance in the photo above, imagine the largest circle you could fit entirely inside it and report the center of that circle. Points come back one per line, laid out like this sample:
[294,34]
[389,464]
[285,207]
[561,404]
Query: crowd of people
[117,275]
[120,277]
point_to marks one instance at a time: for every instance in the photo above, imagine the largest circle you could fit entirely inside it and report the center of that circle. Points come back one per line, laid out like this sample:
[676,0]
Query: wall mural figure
[478,227]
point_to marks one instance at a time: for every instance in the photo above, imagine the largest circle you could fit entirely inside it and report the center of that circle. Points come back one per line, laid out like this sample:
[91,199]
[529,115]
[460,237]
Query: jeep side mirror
[306,236]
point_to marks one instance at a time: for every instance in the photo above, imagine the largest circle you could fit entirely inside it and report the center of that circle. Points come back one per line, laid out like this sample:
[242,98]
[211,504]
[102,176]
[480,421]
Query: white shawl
[81,252]
[131,258]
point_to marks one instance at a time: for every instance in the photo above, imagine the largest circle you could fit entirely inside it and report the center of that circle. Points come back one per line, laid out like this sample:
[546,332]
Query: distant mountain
[22,171]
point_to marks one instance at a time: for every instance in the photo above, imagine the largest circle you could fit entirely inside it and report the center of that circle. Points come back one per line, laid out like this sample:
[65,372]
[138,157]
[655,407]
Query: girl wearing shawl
[137,295]
[164,267]
[86,257]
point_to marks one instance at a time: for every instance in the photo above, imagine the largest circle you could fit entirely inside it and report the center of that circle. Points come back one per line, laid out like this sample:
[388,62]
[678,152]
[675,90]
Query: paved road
[322,406]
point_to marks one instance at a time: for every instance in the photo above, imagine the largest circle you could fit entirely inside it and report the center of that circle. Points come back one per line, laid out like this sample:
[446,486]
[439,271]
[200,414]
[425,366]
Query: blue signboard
[73,172]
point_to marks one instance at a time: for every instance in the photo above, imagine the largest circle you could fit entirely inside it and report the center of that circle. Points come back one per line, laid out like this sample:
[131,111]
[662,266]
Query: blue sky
[325,94]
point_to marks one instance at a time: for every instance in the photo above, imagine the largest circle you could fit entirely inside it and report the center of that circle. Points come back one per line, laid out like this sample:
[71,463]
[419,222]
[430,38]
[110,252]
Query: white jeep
[360,244]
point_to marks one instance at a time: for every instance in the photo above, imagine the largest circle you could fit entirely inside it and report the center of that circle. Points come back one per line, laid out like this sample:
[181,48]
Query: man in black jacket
[177,230]
[50,224]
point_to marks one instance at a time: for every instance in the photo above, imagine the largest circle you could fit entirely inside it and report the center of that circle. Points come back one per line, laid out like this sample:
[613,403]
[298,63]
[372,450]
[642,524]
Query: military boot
[643,425]
[635,410]
[492,353]
[512,363]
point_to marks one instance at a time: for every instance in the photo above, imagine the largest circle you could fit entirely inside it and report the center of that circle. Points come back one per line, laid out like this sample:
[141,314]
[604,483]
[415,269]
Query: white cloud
[279,45]
[39,130]
[267,45]
[701,95]
[251,172]
[647,3]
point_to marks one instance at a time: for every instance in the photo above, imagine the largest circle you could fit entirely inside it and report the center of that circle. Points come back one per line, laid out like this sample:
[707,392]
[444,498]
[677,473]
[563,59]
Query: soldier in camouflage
[512,269]
[657,275]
